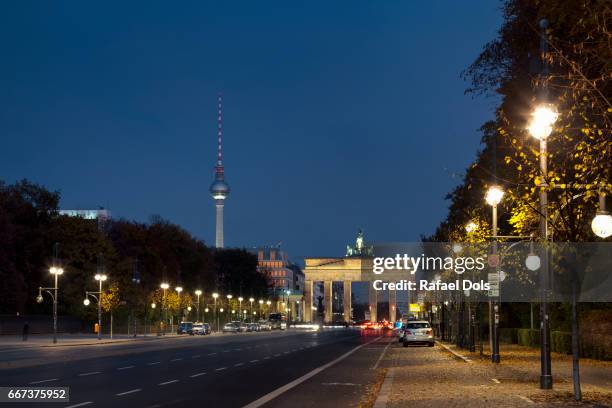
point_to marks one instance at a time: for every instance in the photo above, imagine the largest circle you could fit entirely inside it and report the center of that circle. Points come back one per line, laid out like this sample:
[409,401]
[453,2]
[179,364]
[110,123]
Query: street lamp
[165,286]
[100,277]
[261,308]
[216,316]
[251,300]
[56,270]
[179,289]
[198,292]
[471,227]
[493,197]
[602,223]
[541,126]
[240,299]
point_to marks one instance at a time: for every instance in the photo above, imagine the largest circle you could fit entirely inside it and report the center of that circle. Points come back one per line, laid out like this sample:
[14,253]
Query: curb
[385,390]
[454,353]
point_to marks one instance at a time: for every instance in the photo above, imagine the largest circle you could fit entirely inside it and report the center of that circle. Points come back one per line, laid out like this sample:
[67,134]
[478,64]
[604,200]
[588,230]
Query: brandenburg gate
[356,266]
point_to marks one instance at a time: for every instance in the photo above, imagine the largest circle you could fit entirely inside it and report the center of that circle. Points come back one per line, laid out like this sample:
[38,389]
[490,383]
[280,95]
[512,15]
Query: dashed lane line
[43,381]
[220,368]
[125,368]
[211,354]
[253,361]
[128,392]
[238,364]
[176,359]
[81,404]
[89,373]
[154,363]
[168,382]
[196,375]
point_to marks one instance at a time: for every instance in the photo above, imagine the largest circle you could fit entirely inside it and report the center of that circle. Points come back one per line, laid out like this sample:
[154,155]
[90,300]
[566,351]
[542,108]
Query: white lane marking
[154,363]
[168,382]
[44,381]
[266,357]
[129,392]
[238,364]
[196,356]
[525,399]
[285,352]
[385,390]
[381,356]
[270,396]
[82,404]
[220,368]
[211,354]
[276,355]
[176,359]
[125,368]
[89,373]
[196,375]
[253,361]
[495,380]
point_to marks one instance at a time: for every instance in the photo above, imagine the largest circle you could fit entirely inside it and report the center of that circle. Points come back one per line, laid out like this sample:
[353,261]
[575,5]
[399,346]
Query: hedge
[591,346]
[528,337]
[508,334]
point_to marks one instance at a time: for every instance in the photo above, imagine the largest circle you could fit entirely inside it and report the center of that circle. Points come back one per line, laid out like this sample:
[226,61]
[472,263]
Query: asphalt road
[224,371]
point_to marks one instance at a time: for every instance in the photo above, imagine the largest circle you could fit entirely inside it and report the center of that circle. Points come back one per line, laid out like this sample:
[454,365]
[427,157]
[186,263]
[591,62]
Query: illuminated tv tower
[219,189]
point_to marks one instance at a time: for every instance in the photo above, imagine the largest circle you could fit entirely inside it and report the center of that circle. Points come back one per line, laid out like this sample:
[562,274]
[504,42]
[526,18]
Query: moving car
[231,327]
[184,328]
[200,329]
[418,332]
[278,321]
[264,325]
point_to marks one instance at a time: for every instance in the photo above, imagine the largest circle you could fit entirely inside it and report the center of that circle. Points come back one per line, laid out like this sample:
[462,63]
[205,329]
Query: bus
[278,321]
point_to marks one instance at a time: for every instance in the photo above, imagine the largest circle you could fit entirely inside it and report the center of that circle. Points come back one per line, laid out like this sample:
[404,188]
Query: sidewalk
[452,377]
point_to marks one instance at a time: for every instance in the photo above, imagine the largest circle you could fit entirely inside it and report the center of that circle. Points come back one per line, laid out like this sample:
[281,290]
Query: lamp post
[493,198]
[179,289]
[260,308]
[56,270]
[198,293]
[268,303]
[240,299]
[251,300]
[164,287]
[100,277]
[229,306]
[543,118]
[216,316]
[153,306]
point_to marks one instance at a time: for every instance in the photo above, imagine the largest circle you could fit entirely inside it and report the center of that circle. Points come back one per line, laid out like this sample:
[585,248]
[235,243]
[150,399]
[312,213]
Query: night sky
[337,115]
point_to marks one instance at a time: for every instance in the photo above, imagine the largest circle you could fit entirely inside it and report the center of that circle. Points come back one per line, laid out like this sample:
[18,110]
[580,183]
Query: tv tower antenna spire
[219,189]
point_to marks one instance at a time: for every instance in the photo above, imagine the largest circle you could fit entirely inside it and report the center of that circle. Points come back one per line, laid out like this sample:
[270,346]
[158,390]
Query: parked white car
[418,332]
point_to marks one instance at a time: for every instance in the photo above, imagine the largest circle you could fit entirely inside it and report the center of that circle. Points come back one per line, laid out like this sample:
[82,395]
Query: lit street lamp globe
[164,286]
[39,299]
[602,224]
[471,227]
[86,302]
[215,295]
[533,262]
[542,120]
[198,292]
[494,195]
[153,305]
